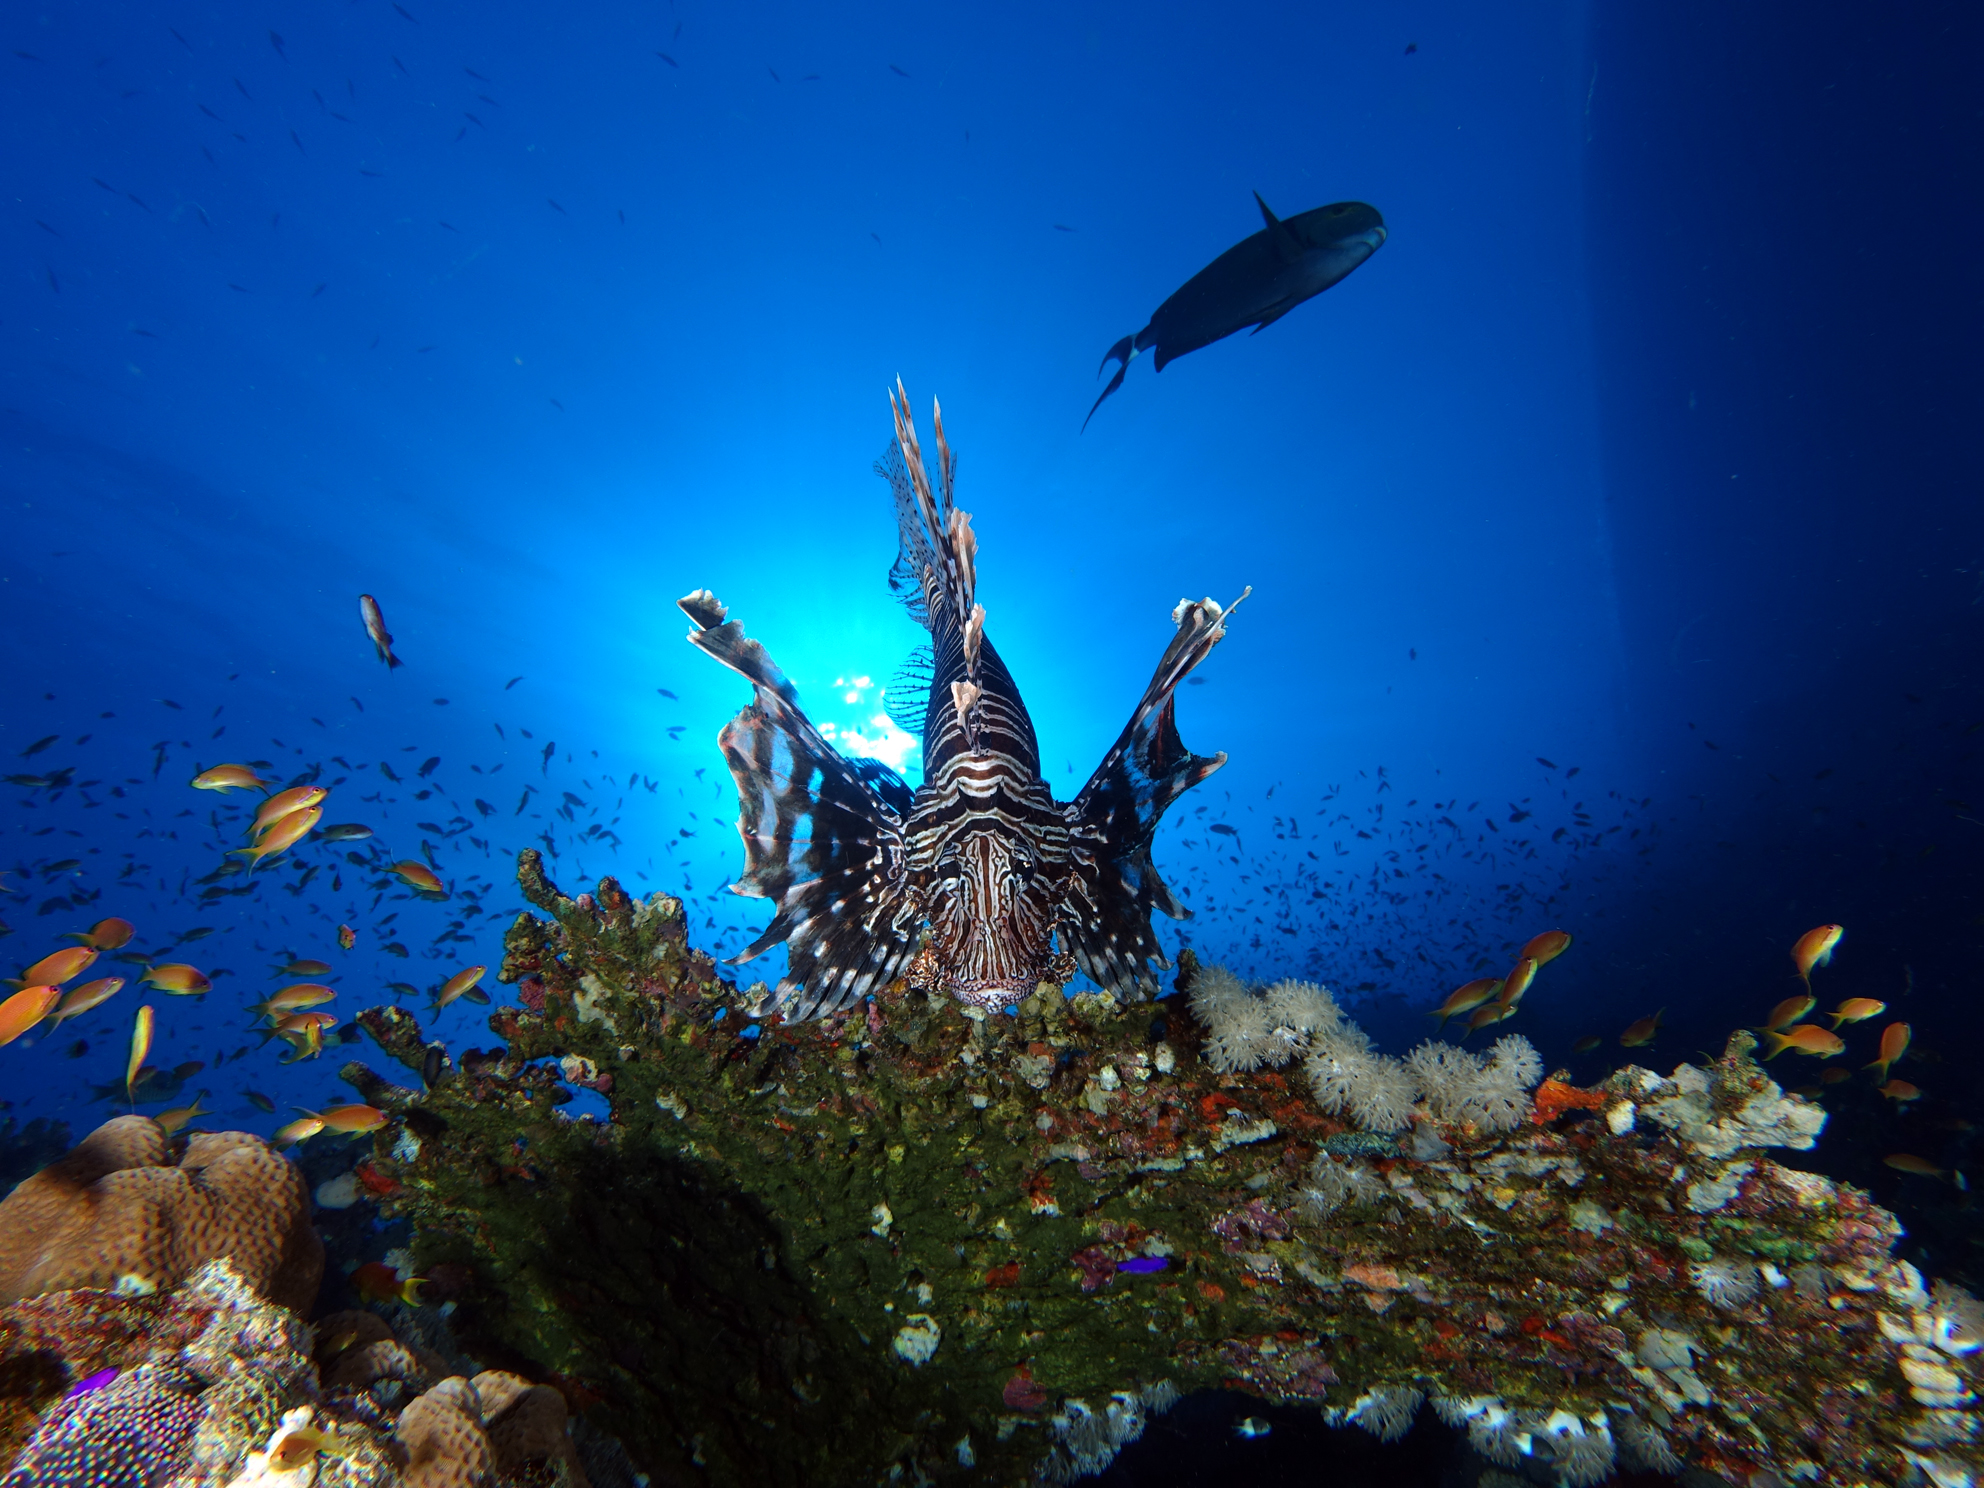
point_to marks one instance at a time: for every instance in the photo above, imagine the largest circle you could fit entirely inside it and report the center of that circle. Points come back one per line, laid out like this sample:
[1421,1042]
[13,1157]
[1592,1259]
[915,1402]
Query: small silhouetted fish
[345,832]
[668,59]
[403,12]
[511,683]
[667,694]
[429,765]
[474,74]
[897,70]
[1062,227]
[556,208]
[39,745]
[432,1065]
[1411,47]
[1225,830]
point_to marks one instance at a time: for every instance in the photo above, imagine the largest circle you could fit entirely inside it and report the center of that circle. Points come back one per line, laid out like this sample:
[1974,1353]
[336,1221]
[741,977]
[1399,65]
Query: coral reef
[127,1210]
[917,1239]
[210,1386]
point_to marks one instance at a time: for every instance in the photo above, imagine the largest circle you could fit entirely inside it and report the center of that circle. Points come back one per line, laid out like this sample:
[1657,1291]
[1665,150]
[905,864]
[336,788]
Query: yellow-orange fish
[375,627]
[1814,948]
[1489,1014]
[1856,1009]
[177,979]
[306,968]
[91,994]
[306,1042]
[1894,1044]
[1519,978]
[1641,1033]
[347,937]
[1586,1044]
[1466,999]
[284,804]
[227,778]
[63,966]
[178,1116]
[294,999]
[301,1445]
[299,1130]
[297,1022]
[375,1281]
[1908,1162]
[456,985]
[1806,1038]
[24,1009]
[141,1045]
[417,876]
[347,1119]
[1788,1012]
[1900,1092]
[112,934]
[281,837]
[1545,948]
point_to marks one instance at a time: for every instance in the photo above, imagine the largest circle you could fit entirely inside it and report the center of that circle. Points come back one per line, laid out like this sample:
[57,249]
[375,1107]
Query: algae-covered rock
[987,1248]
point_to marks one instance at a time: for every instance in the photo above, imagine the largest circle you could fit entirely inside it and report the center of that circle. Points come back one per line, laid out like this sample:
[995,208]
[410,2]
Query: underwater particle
[1251,1428]
[917,1339]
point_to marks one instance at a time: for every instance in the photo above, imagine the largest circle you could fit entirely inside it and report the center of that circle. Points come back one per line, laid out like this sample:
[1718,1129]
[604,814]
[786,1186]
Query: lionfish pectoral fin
[823,835]
[1112,821]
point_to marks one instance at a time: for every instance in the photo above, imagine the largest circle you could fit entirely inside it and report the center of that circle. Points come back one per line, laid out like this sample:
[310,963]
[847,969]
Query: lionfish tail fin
[1115,817]
[823,835]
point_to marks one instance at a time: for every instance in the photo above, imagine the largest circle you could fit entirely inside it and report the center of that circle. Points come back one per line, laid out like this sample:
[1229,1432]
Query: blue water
[1646,447]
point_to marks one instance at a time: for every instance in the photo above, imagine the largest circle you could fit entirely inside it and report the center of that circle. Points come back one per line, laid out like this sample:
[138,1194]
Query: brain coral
[119,1212]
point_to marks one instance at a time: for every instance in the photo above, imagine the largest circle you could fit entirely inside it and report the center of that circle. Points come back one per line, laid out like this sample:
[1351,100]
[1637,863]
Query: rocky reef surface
[919,1243]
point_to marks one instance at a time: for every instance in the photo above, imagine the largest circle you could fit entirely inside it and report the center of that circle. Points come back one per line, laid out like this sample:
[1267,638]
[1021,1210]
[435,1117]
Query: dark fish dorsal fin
[1279,232]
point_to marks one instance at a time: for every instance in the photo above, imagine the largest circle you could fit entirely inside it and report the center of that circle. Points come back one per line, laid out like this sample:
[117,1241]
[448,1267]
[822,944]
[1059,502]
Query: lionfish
[965,885]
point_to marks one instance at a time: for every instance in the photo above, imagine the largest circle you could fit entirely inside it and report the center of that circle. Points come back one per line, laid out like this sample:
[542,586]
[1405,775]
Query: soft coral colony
[918,1215]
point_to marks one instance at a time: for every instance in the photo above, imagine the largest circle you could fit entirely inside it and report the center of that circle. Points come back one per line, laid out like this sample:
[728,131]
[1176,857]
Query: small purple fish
[91,1385]
[1143,1265]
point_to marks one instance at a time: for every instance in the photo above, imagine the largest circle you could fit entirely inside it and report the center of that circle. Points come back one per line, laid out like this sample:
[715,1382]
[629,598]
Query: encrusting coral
[124,1211]
[913,1238]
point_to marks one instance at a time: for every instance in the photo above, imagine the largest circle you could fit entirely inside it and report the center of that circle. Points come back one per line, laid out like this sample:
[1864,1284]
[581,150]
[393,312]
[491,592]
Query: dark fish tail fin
[822,836]
[1123,352]
[1115,886]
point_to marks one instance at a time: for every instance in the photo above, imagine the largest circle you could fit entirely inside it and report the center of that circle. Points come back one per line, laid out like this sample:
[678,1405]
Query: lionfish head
[990,899]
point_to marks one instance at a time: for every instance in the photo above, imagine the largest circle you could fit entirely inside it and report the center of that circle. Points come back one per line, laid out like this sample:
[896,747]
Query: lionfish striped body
[967,885]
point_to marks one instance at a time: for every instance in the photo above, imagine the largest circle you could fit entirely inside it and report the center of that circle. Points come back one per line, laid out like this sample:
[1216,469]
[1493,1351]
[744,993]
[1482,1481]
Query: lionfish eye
[949,867]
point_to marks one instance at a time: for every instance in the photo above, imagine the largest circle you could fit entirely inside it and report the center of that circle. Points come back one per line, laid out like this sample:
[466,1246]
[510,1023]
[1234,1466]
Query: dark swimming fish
[1254,283]
[966,885]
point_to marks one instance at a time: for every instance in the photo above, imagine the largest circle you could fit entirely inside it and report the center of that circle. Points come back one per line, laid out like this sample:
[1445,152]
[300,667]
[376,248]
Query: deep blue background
[1648,445]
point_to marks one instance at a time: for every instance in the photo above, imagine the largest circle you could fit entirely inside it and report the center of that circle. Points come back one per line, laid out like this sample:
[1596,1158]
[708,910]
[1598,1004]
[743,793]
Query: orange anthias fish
[1908,1162]
[1834,1075]
[1586,1044]
[1489,1014]
[296,1023]
[141,1045]
[299,1130]
[1520,976]
[1814,948]
[1806,1038]
[1639,1034]
[307,968]
[1900,1092]
[347,937]
[177,979]
[456,985]
[306,1042]
[347,1119]
[227,778]
[1894,1044]
[417,876]
[375,627]
[1788,1012]
[63,966]
[294,999]
[298,1446]
[178,1116]
[112,934]
[286,803]
[281,837]
[1467,998]
[1856,1009]
[375,1281]
[91,994]
[1546,947]
[24,1009]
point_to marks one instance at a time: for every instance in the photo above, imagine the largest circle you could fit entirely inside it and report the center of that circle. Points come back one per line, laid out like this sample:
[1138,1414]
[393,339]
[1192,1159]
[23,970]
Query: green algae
[742,1271]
